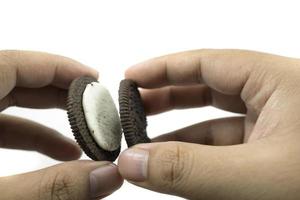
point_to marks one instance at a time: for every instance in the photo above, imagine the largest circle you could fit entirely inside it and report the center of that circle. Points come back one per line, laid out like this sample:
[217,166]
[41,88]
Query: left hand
[40,80]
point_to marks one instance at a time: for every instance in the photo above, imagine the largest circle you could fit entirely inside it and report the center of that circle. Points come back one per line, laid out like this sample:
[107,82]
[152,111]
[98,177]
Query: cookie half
[94,119]
[132,114]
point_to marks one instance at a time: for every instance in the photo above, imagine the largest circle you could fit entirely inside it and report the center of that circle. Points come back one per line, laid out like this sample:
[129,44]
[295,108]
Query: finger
[18,133]
[225,71]
[80,180]
[180,97]
[46,97]
[226,131]
[196,171]
[35,70]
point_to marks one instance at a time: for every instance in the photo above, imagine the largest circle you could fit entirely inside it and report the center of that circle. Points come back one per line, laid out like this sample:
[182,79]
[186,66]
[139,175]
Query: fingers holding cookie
[224,72]
[19,133]
[36,71]
[181,97]
[217,132]
[45,97]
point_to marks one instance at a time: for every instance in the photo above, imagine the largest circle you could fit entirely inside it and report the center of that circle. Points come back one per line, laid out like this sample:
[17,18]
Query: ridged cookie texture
[79,125]
[132,114]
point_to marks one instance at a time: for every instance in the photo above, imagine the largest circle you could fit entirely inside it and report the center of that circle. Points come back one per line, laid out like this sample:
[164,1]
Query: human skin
[254,156]
[40,80]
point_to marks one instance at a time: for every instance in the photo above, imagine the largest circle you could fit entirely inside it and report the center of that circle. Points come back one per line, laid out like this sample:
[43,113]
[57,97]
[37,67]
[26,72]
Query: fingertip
[94,72]
[70,154]
[129,73]
[75,152]
[89,71]
[136,73]
[148,74]
[72,151]
[66,151]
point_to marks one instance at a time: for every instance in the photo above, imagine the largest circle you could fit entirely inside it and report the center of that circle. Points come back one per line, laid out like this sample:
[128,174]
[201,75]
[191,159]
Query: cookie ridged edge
[132,114]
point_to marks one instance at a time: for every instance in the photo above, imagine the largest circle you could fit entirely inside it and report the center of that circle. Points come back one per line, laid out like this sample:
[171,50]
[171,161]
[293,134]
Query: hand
[251,157]
[39,80]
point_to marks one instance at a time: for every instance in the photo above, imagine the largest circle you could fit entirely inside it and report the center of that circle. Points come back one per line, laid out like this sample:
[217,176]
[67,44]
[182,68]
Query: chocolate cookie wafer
[132,114]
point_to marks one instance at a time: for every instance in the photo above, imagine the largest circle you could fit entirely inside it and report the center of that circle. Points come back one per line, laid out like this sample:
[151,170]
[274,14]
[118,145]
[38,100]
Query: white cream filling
[101,116]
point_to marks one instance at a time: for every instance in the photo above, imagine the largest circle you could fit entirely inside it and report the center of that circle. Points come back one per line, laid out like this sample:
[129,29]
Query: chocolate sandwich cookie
[94,119]
[132,114]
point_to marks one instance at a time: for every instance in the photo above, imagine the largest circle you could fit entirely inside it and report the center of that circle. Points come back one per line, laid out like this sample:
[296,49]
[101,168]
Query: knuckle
[57,186]
[9,61]
[9,56]
[176,163]
[259,88]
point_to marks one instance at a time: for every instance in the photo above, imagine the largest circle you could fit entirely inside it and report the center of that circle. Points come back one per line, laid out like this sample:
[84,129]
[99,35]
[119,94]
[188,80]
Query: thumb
[196,171]
[169,167]
[80,180]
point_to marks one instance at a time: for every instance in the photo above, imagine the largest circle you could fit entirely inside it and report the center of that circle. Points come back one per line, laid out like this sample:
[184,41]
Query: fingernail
[95,73]
[104,180]
[134,164]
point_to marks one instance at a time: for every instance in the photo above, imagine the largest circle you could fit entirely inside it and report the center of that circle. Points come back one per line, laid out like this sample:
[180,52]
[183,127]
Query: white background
[112,35]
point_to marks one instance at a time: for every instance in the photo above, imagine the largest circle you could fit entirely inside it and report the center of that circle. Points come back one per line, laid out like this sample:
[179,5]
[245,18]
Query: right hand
[256,156]
[40,80]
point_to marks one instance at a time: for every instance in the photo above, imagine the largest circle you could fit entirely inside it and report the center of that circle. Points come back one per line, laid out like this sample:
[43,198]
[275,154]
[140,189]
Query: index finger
[226,71]
[35,70]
